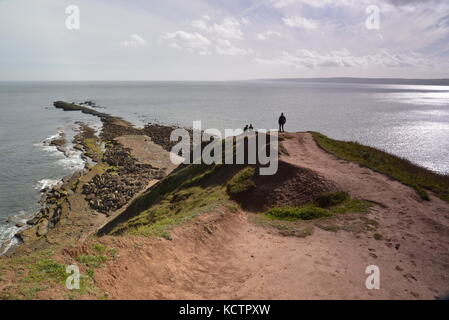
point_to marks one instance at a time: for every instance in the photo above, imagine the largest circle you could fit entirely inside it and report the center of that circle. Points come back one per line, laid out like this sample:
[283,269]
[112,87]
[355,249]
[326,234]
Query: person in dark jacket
[245,129]
[282,121]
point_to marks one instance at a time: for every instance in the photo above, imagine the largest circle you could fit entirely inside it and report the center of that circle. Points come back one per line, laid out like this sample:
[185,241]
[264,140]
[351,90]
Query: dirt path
[225,255]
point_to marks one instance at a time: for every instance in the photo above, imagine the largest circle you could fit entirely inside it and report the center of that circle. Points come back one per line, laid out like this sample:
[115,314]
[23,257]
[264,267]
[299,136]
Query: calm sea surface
[411,121]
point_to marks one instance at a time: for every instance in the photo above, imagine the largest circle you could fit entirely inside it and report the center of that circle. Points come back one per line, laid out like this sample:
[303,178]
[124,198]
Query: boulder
[42,229]
[20,224]
[33,221]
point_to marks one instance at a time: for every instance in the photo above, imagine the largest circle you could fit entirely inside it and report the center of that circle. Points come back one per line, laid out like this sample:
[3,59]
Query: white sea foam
[73,161]
[47,183]
[45,144]
[9,230]
[71,158]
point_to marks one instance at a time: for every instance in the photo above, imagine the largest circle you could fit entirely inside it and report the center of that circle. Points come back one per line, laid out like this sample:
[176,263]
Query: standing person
[251,128]
[282,121]
[245,129]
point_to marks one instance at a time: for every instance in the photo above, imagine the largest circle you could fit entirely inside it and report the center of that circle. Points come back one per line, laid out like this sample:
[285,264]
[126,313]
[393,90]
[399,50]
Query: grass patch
[92,261]
[101,254]
[93,149]
[169,213]
[326,205]
[327,200]
[166,235]
[36,273]
[176,199]
[397,168]
[241,182]
[47,270]
[352,205]
[298,213]
[378,236]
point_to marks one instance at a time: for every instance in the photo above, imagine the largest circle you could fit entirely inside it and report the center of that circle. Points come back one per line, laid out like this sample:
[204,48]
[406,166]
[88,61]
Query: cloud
[343,58]
[414,2]
[300,22]
[229,28]
[192,42]
[225,47]
[134,41]
[230,41]
[219,37]
[280,4]
[268,35]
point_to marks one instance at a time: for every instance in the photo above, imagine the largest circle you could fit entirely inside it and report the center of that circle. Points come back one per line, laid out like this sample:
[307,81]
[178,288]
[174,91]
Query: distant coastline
[430,82]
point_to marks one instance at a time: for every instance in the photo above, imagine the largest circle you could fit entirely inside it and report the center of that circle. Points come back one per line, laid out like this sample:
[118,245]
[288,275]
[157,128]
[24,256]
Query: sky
[203,40]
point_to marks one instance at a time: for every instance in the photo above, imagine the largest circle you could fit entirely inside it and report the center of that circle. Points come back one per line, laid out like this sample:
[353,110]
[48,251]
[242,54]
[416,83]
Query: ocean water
[411,121]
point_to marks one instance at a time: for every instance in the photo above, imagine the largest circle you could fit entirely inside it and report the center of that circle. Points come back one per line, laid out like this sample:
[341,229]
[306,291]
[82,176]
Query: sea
[410,120]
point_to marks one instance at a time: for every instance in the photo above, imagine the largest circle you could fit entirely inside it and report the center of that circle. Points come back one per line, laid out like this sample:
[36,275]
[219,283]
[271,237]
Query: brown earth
[145,151]
[230,255]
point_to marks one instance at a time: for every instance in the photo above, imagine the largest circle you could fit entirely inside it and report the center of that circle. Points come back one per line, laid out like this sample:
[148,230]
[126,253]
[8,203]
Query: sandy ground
[146,151]
[224,255]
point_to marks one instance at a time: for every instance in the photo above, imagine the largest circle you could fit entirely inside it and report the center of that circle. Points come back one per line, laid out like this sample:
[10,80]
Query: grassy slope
[397,168]
[26,276]
[179,197]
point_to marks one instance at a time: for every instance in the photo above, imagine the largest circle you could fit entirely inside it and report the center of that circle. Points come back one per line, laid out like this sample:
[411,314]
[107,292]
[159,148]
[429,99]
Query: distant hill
[434,82]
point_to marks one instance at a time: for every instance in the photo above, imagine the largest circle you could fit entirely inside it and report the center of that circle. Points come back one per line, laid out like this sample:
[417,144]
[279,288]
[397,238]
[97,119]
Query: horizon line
[235,80]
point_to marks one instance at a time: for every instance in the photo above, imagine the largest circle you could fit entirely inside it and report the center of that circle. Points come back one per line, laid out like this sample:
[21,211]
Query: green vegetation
[285,227]
[242,181]
[93,261]
[378,236]
[37,272]
[352,205]
[326,205]
[99,257]
[397,168]
[93,149]
[47,269]
[327,200]
[176,199]
[168,213]
[112,170]
[295,213]
[166,235]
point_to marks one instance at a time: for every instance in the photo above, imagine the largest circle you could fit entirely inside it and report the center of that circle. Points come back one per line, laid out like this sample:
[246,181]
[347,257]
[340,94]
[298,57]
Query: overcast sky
[222,39]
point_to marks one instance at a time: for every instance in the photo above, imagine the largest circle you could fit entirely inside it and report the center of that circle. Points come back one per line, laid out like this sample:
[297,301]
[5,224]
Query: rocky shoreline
[111,179]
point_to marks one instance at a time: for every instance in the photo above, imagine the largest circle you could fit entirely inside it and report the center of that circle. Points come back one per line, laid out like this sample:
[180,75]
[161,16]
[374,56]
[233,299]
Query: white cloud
[283,3]
[134,41]
[268,35]
[343,58]
[192,42]
[225,47]
[200,24]
[300,22]
[406,27]
[229,28]
[219,36]
[313,3]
